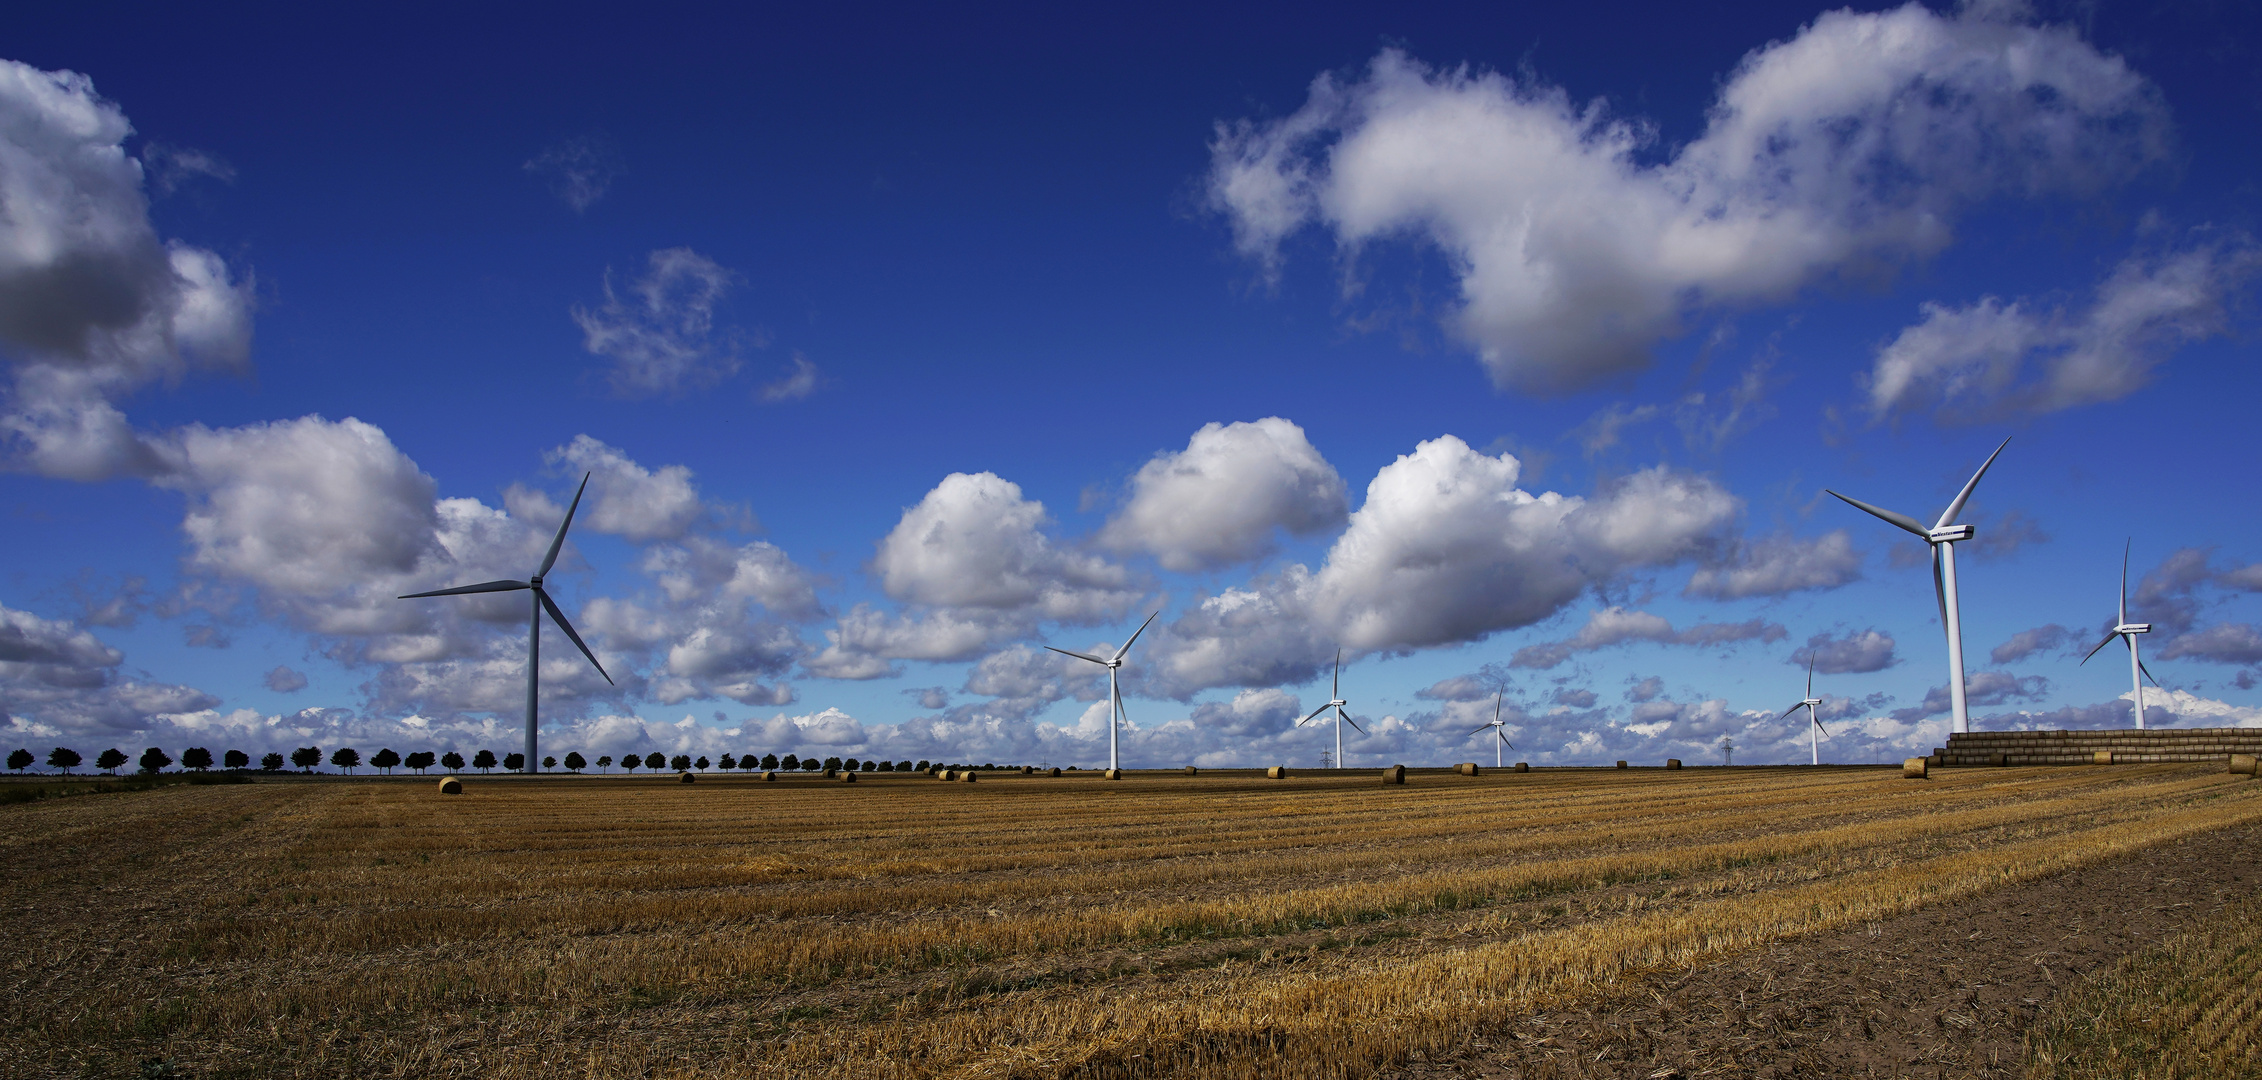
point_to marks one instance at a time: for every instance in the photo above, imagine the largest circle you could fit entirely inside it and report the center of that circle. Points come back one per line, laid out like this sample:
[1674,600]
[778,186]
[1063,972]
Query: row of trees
[307,758]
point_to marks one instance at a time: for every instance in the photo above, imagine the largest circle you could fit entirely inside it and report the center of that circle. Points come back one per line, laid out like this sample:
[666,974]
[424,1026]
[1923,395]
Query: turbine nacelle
[2134,628]
[1950,534]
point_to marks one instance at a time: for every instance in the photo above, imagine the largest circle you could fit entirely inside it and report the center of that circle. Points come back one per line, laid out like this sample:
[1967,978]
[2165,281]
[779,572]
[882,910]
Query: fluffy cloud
[92,302]
[1445,550]
[1778,565]
[1981,688]
[1218,502]
[661,336]
[624,499]
[1610,626]
[58,681]
[2222,643]
[2026,643]
[1856,652]
[285,679]
[1852,145]
[1991,359]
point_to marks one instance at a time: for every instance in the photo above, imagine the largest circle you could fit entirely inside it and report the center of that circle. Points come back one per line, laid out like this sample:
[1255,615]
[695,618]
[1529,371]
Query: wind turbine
[1943,536]
[542,603]
[2137,672]
[1341,717]
[1495,725]
[1114,696]
[1813,745]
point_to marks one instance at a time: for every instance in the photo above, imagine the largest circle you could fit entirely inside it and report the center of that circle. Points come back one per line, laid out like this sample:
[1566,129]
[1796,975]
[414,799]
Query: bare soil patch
[1948,991]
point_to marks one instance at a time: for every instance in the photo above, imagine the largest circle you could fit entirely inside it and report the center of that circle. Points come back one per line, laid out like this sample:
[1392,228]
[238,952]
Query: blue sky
[1509,351]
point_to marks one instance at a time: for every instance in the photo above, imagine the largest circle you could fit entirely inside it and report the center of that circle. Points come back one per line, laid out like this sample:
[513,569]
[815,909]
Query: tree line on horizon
[308,758]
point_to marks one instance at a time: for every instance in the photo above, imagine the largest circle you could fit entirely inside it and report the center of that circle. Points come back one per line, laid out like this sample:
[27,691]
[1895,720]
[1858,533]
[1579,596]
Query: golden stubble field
[1220,925]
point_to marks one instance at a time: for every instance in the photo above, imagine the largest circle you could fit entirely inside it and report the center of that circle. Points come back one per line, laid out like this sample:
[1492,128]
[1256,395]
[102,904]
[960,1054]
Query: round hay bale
[1112,774]
[1523,766]
[1277,772]
[947,775]
[1621,764]
[770,777]
[831,773]
[967,776]
[449,785]
[1396,774]
[686,778]
[1915,768]
[847,778]
[2243,764]
[2101,757]
[1192,771]
[1467,768]
[1673,763]
[2000,761]
[1055,772]
[1028,769]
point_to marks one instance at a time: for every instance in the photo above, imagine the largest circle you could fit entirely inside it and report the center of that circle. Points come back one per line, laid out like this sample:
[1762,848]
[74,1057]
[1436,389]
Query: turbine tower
[2137,672]
[1495,725]
[1814,745]
[1114,696]
[1943,536]
[542,603]
[1341,717]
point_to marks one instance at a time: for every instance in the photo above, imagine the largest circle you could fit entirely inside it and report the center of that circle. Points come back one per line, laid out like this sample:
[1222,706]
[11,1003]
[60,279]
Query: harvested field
[1025,926]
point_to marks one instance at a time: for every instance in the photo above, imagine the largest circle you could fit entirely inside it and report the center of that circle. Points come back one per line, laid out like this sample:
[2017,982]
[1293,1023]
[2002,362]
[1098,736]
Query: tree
[271,762]
[726,762]
[575,762]
[851,765]
[770,761]
[549,763]
[680,763]
[196,757]
[748,762]
[452,760]
[630,763]
[514,762]
[153,761]
[870,765]
[810,764]
[21,759]
[887,766]
[832,763]
[65,758]
[603,763]
[653,760]
[384,759]
[236,759]
[110,760]
[702,763]
[306,758]
[903,766]
[420,761]
[791,763]
[924,765]
[345,757]
[483,760]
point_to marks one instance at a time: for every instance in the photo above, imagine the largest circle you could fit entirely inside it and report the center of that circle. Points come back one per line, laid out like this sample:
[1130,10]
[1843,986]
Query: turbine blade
[1810,655]
[2108,640]
[1308,719]
[1120,711]
[1480,727]
[1939,588]
[557,542]
[1079,656]
[1948,516]
[559,617]
[1119,653]
[1792,709]
[1496,698]
[2124,580]
[484,586]
[1347,719]
[1899,520]
[1335,689]
[2148,674]
[1818,723]
[1504,739]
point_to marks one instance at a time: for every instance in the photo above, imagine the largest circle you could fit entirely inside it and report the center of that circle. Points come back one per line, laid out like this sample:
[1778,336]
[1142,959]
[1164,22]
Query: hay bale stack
[770,777]
[1915,768]
[1396,774]
[2101,757]
[1277,772]
[1523,766]
[1621,764]
[2000,761]
[1673,763]
[449,785]
[686,778]
[1467,768]
[1192,771]
[2243,764]
[1111,774]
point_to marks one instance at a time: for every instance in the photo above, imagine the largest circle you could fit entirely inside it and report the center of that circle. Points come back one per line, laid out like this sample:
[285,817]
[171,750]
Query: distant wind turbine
[1495,725]
[2137,672]
[542,603]
[1341,717]
[1814,722]
[1943,536]
[1114,695]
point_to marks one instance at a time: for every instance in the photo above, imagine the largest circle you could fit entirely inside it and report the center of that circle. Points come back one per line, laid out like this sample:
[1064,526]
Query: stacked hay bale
[1396,774]
[1467,768]
[2127,746]
[2101,757]
[1277,772]
[449,785]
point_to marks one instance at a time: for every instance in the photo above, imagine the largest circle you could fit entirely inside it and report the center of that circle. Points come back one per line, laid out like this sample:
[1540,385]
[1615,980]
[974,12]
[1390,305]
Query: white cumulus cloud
[1219,501]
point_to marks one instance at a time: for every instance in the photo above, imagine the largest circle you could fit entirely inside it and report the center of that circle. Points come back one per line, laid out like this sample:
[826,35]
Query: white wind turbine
[1336,702]
[542,603]
[1814,746]
[1114,696]
[2137,672]
[1943,536]
[1496,725]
